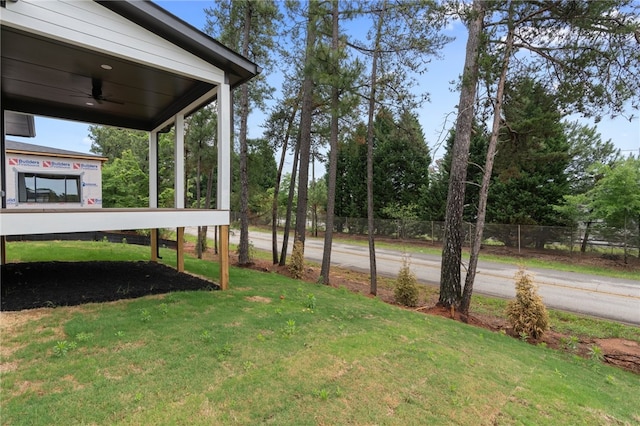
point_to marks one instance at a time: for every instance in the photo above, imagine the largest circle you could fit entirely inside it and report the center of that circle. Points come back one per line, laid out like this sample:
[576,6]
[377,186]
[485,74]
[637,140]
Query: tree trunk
[626,252]
[243,248]
[585,239]
[292,192]
[486,179]
[314,205]
[450,286]
[215,240]
[333,157]
[372,105]
[305,128]
[314,219]
[276,192]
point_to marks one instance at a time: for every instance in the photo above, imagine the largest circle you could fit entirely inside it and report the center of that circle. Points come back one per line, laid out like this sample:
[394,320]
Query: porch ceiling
[43,76]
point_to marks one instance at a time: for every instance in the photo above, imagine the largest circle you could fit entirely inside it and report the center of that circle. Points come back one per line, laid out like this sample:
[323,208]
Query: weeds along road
[610,298]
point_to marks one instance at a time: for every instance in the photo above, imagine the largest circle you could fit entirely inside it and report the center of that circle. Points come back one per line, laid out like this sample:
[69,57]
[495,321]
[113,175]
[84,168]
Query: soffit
[46,76]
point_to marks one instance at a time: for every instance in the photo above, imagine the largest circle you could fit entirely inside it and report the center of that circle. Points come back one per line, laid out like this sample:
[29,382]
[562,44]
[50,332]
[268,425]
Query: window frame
[22,195]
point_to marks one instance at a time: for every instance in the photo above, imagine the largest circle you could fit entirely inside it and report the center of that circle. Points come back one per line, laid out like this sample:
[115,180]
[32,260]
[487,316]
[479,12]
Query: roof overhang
[127,64]
[16,124]
[23,148]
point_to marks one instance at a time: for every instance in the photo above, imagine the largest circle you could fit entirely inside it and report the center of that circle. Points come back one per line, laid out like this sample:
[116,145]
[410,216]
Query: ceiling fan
[97,95]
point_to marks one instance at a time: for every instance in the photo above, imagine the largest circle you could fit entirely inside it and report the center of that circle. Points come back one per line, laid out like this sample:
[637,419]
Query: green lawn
[277,351]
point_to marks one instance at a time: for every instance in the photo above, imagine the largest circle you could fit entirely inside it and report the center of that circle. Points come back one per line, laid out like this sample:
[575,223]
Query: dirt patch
[11,320]
[621,352]
[258,299]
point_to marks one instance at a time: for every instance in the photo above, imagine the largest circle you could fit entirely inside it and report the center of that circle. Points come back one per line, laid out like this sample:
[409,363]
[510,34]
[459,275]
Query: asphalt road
[611,298]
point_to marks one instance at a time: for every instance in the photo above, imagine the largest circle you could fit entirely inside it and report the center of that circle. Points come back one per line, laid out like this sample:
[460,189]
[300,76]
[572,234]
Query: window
[41,188]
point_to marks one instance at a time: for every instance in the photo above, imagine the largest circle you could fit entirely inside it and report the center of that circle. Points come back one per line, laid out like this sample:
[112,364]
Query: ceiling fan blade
[112,101]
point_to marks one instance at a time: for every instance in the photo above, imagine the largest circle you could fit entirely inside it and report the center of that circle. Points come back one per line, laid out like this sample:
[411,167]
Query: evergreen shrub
[406,290]
[527,312]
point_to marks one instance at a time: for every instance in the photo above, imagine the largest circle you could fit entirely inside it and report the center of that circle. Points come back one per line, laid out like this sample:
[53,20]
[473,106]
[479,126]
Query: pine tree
[568,46]
[248,27]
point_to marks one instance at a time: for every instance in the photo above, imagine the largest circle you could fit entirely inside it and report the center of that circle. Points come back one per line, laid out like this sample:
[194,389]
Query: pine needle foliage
[296,265]
[406,287]
[527,313]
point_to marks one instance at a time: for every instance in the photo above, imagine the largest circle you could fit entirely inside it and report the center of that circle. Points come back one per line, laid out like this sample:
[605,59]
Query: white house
[44,177]
[129,64]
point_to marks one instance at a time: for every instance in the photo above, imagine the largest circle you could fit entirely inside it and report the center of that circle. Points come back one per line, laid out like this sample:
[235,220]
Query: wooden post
[154,244]
[224,257]
[180,250]
[518,239]
[3,250]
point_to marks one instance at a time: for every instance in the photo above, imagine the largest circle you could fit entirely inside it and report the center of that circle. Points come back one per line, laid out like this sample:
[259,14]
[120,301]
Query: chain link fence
[599,238]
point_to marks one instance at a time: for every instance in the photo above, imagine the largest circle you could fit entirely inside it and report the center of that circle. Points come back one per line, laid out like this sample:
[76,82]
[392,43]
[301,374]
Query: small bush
[527,313]
[296,265]
[311,302]
[406,289]
[61,347]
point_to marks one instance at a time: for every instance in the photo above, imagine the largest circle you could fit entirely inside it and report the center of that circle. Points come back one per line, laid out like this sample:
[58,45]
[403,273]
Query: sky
[436,117]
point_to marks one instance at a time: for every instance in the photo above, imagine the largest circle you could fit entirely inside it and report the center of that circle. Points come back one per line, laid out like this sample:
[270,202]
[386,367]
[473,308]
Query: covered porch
[128,64]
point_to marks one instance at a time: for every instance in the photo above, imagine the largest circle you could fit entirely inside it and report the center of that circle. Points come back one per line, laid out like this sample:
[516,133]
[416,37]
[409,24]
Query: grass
[563,322]
[263,353]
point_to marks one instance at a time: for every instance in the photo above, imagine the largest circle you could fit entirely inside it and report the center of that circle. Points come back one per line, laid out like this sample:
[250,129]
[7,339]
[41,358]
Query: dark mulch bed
[49,284]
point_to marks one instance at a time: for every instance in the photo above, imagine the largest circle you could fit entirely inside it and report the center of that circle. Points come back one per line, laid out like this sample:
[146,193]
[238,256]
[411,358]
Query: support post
[3,163]
[179,162]
[154,244]
[153,189]
[180,250]
[224,257]
[223,194]
[3,250]
[179,186]
[3,186]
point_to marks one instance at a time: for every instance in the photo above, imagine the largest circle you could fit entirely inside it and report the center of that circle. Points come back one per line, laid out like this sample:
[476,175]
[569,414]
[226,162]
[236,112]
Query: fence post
[571,238]
[433,234]
[518,239]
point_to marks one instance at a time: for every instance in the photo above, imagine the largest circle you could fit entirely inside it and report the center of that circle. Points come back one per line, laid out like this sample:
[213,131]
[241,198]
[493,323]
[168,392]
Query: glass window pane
[26,188]
[50,189]
[34,188]
[73,189]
